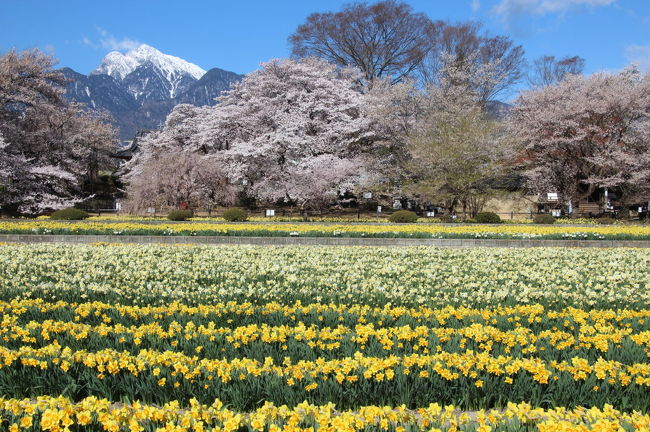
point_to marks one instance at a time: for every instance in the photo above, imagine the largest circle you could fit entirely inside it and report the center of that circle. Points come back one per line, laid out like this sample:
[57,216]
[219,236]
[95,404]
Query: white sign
[640,210]
[431,214]
[378,209]
[556,213]
[151,210]
[270,213]
[552,196]
[118,205]
[367,195]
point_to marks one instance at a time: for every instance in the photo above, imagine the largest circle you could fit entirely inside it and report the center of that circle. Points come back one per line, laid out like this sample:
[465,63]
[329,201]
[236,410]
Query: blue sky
[238,35]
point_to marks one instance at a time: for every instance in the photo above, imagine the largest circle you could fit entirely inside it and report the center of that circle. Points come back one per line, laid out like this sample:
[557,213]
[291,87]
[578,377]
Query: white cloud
[476,5]
[515,14]
[49,49]
[510,8]
[110,42]
[639,55]
[86,41]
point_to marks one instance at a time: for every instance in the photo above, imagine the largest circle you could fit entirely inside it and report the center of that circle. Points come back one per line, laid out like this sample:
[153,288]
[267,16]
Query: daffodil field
[327,219]
[378,230]
[323,338]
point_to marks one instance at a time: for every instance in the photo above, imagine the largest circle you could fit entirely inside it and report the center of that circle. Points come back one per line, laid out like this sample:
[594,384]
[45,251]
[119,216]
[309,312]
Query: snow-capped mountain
[172,71]
[119,65]
[140,87]
[116,64]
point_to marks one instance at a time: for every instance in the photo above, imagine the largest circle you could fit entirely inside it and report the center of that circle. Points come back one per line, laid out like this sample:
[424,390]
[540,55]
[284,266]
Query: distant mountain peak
[119,65]
[139,88]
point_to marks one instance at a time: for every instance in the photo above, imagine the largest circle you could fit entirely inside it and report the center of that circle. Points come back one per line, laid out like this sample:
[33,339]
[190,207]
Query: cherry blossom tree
[586,133]
[181,127]
[171,167]
[172,178]
[395,110]
[50,146]
[8,164]
[293,131]
[178,136]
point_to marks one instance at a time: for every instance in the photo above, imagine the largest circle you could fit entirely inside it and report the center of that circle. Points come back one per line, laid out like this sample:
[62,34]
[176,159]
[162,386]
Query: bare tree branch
[547,70]
[384,40]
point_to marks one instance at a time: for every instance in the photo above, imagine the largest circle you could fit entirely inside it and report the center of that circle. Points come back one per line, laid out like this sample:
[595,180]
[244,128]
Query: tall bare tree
[384,40]
[547,70]
[468,42]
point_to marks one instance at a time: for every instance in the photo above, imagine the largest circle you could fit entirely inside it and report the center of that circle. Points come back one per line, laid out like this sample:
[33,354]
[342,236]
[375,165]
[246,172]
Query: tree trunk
[451,205]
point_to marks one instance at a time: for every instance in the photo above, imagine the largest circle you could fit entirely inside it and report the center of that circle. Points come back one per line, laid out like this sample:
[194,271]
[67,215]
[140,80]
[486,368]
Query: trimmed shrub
[179,215]
[235,215]
[403,216]
[606,220]
[69,214]
[487,218]
[544,218]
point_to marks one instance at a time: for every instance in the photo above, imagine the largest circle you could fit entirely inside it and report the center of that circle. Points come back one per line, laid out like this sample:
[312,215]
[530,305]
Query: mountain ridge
[117,63]
[140,87]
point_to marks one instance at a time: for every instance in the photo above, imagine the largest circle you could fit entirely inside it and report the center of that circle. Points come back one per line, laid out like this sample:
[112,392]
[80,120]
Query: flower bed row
[370,276]
[244,354]
[92,414]
[522,231]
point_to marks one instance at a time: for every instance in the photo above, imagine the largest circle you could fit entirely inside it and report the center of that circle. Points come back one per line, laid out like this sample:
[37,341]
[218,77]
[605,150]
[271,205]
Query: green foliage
[235,215]
[69,214]
[487,218]
[403,216]
[544,219]
[179,215]
[439,152]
